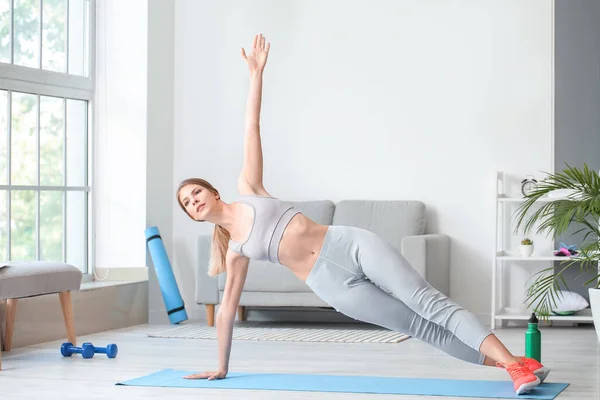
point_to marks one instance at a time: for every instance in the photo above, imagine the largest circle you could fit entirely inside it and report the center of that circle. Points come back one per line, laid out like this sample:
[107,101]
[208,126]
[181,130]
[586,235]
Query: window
[46,99]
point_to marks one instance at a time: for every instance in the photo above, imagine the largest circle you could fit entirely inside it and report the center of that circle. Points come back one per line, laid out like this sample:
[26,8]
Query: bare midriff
[301,244]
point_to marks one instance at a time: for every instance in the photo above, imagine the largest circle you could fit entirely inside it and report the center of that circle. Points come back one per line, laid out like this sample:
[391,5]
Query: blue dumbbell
[111,350]
[86,350]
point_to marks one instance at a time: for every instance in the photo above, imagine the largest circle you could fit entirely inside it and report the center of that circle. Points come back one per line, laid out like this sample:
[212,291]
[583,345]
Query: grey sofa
[402,223]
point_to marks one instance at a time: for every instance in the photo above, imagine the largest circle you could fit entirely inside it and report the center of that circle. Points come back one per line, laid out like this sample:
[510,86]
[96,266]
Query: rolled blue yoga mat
[166,279]
[349,384]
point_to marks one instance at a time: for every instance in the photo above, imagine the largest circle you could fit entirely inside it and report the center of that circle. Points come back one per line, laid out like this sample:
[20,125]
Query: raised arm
[250,180]
[237,270]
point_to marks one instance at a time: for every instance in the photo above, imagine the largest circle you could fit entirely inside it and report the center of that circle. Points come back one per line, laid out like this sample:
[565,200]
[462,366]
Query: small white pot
[595,305]
[526,250]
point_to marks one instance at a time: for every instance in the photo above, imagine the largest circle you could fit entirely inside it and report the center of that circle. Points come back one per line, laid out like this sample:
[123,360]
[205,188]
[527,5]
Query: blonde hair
[221,236]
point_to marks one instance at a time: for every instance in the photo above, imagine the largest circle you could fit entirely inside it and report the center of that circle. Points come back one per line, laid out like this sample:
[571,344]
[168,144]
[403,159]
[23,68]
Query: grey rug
[291,334]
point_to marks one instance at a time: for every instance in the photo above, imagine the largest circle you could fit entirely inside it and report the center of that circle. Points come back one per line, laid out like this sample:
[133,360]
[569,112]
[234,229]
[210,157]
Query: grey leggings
[366,278]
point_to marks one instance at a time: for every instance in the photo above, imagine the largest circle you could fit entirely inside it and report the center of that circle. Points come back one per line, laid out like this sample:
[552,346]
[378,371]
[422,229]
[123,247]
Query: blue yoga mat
[349,384]
[166,278]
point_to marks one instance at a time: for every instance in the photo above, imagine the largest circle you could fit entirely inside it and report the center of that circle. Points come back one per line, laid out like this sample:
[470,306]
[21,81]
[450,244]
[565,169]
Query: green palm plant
[581,208]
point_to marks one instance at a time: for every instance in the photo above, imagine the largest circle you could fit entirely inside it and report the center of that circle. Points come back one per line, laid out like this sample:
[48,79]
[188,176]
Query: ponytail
[220,243]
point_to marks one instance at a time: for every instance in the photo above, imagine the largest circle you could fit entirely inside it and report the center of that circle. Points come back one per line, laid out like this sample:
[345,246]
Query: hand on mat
[209,375]
[257,58]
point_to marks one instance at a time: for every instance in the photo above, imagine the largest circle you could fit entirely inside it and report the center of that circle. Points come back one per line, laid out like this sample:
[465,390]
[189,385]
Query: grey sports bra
[271,217]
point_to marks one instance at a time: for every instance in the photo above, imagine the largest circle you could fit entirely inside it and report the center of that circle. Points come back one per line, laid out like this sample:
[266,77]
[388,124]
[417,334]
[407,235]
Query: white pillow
[569,302]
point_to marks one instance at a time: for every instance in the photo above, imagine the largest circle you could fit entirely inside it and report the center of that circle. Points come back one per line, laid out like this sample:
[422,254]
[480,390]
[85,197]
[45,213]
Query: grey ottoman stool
[37,278]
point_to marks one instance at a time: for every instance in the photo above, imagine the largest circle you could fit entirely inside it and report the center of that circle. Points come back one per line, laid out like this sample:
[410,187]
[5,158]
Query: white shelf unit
[505,201]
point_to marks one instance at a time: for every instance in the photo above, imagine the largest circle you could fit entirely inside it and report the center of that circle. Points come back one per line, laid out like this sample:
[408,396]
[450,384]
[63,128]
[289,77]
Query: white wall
[120,137]
[388,99]
[577,99]
[159,174]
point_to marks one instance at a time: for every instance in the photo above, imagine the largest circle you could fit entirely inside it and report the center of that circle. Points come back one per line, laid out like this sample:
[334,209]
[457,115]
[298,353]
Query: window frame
[39,82]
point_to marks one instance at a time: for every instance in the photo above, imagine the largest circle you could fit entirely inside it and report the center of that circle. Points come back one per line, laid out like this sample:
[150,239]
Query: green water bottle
[533,339]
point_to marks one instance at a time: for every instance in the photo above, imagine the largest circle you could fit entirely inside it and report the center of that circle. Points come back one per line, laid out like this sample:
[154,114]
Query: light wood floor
[40,371]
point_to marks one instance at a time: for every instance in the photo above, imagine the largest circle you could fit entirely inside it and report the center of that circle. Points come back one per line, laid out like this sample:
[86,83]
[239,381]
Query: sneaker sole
[529,386]
[542,373]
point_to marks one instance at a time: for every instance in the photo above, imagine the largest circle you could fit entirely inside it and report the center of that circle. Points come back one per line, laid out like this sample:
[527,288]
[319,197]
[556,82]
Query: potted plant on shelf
[526,247]
[579,207]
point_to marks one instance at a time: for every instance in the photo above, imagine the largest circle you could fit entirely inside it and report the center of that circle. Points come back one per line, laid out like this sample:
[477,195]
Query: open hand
[209,375]
[257,59]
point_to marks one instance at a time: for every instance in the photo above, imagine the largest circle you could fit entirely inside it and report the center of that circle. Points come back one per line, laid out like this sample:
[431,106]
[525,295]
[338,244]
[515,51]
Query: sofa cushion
[393,220]
[320,211]
[279,299]
[264,276]
[33,278]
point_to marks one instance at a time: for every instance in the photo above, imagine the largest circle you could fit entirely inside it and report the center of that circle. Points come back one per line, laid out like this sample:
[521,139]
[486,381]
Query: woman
[352,269]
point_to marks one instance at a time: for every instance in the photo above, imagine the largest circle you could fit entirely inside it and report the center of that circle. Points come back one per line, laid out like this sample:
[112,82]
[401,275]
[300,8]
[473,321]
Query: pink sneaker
[522,377]
[538,369]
